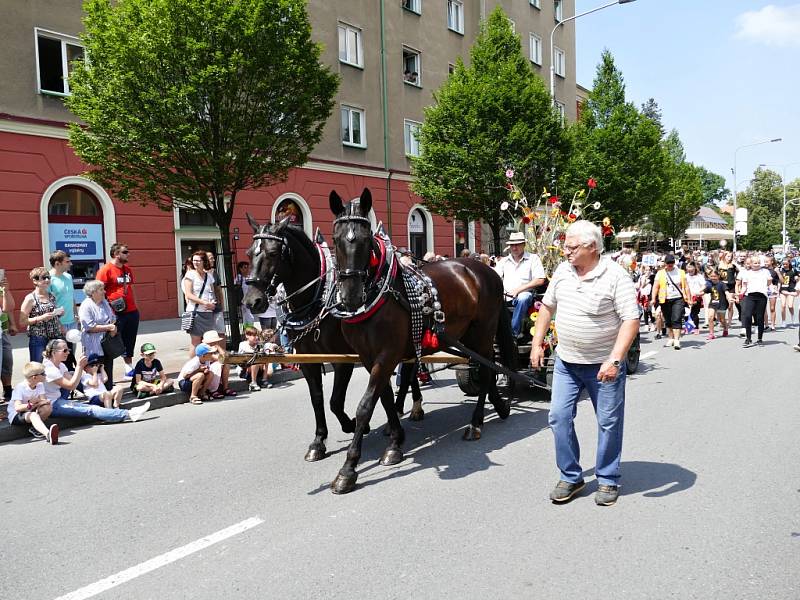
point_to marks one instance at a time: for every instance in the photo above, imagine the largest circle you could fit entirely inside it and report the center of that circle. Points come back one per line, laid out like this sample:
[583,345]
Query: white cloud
[772,25]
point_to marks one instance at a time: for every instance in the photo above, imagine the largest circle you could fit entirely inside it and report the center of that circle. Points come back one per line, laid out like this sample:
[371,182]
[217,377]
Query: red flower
[553,199]
[562,237]
[572,217]
[526,220]
[509,186]
[591,183]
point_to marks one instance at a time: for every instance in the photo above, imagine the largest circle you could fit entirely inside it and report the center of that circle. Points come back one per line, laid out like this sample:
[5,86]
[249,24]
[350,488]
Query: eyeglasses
[41,277]
[36,374]
[124,251]
[62,350]
[571,249]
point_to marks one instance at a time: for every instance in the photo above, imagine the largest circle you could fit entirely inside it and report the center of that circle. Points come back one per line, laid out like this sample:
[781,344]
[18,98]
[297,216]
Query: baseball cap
[148,348]
[94,359]
[669,259]
[203,349]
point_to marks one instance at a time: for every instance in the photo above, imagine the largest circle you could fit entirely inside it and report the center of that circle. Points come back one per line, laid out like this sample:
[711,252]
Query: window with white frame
[411,136]
[536,3]
[412,67]
[55,56]
[536,49]
[455,15]
[413,6]
[560,62]
[350,49]
[560,107]
[558,5]
[354,132]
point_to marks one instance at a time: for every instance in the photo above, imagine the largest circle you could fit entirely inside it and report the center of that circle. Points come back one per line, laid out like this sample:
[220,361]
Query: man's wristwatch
[616,363]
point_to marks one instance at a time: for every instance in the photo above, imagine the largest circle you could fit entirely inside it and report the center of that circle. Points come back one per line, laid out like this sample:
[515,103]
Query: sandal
[230,392]
[195,400]
[216,395]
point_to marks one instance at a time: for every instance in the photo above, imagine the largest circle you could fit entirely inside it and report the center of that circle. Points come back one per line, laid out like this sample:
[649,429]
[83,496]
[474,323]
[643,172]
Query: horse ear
[253,223]
[335,203]
[318,237]
[366,202]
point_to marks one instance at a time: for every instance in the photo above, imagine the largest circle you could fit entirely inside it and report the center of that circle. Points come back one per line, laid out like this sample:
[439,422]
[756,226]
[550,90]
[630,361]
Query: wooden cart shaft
[284,359]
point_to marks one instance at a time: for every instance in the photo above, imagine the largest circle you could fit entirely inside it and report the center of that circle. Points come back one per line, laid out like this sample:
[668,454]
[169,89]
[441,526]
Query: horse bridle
[351,236]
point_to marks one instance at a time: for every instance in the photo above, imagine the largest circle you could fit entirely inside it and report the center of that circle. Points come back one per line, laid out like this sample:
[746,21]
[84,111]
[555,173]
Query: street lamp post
[785,203]
[552,33]
[735,206]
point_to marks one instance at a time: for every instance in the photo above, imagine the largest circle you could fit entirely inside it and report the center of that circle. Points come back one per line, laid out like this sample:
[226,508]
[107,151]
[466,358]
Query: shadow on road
[652,479]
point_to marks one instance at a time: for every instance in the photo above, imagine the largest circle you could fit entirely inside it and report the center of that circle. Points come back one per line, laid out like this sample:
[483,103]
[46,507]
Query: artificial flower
[510,173]
[504,206]
[596,205]
[526,219]
[591,183]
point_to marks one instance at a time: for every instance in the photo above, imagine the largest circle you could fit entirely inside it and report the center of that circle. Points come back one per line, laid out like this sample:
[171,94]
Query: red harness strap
[381,262]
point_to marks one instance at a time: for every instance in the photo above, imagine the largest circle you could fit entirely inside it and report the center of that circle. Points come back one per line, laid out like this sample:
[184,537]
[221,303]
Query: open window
[412,67]
[55,57]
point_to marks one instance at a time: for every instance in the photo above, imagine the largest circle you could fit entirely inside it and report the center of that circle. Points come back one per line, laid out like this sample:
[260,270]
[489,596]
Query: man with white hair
[521,272]
[597,319]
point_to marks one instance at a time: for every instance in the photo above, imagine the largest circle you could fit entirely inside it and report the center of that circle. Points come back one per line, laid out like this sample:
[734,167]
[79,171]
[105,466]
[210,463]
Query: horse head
[270,259]
[353,244]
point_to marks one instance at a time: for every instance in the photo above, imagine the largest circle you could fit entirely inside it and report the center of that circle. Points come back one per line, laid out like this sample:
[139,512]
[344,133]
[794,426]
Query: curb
[9,432]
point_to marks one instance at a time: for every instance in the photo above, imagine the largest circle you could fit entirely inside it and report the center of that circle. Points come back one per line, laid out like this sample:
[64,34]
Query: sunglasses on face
[124,251]
[41,277]
[36,374]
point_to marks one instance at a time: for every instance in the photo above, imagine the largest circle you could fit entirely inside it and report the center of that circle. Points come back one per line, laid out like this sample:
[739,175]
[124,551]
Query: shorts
[673,313]
[185,385]
[96,401]
[19,420]
[784,292]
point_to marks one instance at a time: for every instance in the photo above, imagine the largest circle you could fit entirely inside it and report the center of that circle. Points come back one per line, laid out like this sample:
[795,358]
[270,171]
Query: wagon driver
[597,319]
[521,272]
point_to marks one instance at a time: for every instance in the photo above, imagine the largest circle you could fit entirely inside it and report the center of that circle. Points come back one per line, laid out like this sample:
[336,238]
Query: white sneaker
[254,387]
[676,344]
[135,414]
[669,343]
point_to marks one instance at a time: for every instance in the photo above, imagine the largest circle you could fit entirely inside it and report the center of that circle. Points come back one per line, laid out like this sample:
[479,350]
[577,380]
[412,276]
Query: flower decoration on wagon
[545,220]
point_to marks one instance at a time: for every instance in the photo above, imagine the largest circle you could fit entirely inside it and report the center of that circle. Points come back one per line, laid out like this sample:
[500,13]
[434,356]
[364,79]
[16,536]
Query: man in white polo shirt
[521,272]
[597,319]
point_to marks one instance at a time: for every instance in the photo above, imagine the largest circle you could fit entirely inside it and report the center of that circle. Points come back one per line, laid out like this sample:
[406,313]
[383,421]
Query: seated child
[29,406]
[196,377]
[148,374]
[255,373]
[93,380]
[221,370]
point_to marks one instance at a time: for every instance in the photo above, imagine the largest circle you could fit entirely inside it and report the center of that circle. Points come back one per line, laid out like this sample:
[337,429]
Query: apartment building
[391,56]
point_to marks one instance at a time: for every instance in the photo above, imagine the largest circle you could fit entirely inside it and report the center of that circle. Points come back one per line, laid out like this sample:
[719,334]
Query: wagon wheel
[468,380]
[634,353]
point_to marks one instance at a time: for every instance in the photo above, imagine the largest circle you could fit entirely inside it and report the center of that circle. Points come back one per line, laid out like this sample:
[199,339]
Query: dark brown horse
[283,254]
[471,295]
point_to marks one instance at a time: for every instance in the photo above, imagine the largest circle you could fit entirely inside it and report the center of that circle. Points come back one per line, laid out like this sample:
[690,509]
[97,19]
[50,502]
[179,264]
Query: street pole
[735,202]
[552,33]
[783,182]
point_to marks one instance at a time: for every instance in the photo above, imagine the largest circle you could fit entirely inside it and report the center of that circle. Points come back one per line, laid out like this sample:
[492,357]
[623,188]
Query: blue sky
[724,72]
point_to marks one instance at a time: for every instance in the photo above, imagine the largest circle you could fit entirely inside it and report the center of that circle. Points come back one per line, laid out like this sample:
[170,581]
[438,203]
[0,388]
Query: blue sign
[83,241]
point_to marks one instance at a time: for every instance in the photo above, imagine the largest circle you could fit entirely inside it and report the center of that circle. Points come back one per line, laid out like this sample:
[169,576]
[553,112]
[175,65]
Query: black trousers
[753,307]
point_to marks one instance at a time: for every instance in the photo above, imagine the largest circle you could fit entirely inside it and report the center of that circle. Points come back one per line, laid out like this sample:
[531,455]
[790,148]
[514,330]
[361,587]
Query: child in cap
[255,372]
[93,381]
[148,374]
[29,406]
[221,370]
[196,376]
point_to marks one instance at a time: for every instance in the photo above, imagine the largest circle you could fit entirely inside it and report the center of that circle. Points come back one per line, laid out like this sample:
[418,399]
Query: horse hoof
[503,409]
[392,456]
[472,434]
[315,453]
[417,415]
[343,485]
[349,427]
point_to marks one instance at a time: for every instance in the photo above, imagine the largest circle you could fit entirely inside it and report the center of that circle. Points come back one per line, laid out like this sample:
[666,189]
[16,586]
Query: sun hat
[210,337]
[203,349]
[148,348]
[516,237]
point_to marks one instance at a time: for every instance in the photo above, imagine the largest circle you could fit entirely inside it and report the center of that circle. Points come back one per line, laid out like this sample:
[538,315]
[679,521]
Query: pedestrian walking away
[597,319]
[671,291]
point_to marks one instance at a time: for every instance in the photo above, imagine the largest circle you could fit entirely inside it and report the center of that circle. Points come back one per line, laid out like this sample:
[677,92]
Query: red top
[114,279]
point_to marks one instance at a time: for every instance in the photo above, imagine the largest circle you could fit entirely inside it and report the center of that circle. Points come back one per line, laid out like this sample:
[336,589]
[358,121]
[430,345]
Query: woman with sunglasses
[40,314]
[59,383]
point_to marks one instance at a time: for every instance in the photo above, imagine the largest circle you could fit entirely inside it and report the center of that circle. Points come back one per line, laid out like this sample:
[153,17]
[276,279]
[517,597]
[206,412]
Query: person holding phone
[40,314]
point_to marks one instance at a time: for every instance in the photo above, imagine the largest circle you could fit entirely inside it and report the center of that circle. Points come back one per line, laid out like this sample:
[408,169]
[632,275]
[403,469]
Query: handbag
[119,305]
[112,345]
[187,316]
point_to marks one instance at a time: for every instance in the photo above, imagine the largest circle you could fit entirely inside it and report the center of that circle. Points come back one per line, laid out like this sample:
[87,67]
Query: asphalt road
[215,501]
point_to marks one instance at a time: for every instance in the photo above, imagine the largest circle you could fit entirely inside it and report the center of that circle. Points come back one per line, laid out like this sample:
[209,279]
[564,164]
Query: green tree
[188,102]
[494,114]
[763,199]
[714,190]
[620,147]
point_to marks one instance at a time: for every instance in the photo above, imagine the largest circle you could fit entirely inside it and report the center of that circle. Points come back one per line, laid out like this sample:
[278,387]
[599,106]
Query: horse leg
[393,453]
[406,373]
[346,479]
[417,414]
[313,375]
[501,405]
[473,430]
[341,379]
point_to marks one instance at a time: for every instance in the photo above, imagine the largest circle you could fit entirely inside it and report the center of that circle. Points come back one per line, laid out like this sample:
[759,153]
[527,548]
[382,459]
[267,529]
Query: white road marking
[647,355]
[159,561]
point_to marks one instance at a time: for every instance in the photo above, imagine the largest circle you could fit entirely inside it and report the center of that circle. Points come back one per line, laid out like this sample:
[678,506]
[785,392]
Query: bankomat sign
[82,241]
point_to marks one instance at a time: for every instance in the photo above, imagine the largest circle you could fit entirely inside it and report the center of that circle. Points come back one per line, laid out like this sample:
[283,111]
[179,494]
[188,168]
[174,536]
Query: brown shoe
[565,491]
[606,495]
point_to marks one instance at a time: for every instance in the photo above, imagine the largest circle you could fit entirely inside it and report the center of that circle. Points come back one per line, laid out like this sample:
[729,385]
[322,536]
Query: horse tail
[505,339]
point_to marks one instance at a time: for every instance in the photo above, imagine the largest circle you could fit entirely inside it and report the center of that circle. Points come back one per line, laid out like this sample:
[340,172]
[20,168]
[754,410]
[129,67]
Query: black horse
[471,296]
[283,253]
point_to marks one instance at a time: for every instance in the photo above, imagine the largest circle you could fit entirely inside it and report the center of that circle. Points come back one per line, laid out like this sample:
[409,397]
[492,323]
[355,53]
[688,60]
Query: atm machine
[84,242]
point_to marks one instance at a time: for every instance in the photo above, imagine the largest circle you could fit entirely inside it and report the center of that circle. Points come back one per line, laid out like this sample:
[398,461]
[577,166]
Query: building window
[455,15]
[559,62]
[55,56]
[536,3]
[410,136]
[558,5]
[412,67]
[414,6]
[419,234]
[536,49]
[350,50]
[353,127]
[560,108]
[193,217]
[513,25]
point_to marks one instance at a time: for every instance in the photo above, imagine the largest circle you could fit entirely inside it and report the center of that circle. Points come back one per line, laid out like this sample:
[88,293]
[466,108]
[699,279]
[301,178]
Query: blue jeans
[68,408]
[521,304]
[36,345]
[608,399]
